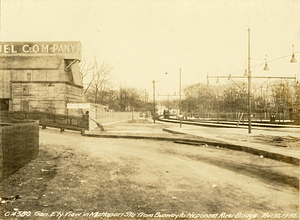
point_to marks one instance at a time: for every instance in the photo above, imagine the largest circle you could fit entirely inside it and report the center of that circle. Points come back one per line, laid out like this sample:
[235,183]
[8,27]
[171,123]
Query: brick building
[40,76]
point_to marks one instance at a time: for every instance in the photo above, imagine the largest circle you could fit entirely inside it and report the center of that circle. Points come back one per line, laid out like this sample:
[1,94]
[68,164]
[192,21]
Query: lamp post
[168,102]
[179,91]
[297,103]
[154,113]
[249,76]
[249,84]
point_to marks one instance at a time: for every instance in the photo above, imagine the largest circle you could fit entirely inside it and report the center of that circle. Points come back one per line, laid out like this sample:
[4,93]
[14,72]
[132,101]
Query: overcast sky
[145,39]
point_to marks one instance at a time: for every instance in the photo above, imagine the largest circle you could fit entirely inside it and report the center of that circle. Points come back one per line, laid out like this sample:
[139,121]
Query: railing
[49,119]
[242,116]
[104,118]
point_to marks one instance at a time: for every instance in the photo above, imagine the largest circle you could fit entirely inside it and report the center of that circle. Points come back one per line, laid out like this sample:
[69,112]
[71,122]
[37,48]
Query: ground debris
[272,140]
[9,199]
[25,182]
[278,139]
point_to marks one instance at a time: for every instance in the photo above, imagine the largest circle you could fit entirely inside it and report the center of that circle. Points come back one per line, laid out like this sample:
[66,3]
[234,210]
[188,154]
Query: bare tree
[99,82]
[85,69]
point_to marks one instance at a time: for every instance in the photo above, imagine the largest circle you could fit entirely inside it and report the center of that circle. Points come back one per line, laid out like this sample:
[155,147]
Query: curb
[195,142]
[136,137]
[266,154]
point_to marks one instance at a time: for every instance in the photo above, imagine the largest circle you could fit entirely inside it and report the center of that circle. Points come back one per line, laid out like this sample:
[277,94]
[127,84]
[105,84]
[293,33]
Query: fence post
[132,114]
[180,121]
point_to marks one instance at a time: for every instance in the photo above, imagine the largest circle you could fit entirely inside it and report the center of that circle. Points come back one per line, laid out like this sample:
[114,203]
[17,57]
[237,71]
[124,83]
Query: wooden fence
[49,119]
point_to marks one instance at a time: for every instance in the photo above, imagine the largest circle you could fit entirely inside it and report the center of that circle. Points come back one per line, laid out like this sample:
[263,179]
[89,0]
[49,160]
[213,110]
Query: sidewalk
[279,143]
[274,143]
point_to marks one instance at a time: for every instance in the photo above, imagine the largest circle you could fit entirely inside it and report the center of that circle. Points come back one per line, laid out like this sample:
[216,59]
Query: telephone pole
[179,91]
[154,114]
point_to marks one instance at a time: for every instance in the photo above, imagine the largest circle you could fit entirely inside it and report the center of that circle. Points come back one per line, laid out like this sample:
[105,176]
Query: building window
[25,90]
[25,105]
[28,76]
[4,104]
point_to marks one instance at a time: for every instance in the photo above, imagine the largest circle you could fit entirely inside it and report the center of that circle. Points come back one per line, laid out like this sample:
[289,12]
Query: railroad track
[230,124]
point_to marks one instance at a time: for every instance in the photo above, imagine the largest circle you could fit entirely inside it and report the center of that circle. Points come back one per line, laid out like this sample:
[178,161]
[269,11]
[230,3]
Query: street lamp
[266,64]
[248,75]
[293,60]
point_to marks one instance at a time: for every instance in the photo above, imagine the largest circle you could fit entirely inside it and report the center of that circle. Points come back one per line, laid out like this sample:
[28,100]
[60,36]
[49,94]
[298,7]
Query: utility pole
[168,101]
[180,96]
[249,76]
[154,113]
[179,91]
[146,107]
[249,85]
[147,100]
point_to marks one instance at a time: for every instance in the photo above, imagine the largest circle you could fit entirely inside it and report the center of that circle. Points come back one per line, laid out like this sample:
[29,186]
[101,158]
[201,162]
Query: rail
[227,124]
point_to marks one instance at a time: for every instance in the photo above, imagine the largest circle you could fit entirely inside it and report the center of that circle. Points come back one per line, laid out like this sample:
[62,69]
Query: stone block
[19,144]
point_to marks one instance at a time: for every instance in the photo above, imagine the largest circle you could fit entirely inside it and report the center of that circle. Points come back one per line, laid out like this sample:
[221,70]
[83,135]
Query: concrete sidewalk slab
[239,139]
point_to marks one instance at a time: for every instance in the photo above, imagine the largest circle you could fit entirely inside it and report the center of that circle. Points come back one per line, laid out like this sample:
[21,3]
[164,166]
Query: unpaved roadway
[146,178]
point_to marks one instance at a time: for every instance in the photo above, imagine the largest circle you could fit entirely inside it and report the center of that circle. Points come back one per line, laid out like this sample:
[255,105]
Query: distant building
[161,109]
[41,76]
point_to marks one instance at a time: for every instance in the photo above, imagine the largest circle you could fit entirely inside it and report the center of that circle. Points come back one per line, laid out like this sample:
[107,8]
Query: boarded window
[26,89]
[28,76]
[4,104]
[25,105]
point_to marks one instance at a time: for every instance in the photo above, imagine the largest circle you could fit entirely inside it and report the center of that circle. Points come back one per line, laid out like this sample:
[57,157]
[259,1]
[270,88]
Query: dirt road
[76,175]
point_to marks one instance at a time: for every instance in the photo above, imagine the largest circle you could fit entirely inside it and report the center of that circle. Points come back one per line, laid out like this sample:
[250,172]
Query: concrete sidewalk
[275,143]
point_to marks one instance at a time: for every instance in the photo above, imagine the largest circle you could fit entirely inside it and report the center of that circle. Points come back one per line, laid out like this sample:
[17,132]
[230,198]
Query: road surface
[145,178]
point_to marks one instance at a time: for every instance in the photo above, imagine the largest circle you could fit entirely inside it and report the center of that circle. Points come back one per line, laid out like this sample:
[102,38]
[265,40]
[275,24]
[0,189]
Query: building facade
[40,76]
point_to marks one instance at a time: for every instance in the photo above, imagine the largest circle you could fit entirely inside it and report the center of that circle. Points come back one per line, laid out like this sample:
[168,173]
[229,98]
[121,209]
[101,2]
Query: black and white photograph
[149,109]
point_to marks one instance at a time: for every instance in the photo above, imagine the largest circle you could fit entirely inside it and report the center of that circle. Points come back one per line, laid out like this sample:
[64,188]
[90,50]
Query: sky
[146,40]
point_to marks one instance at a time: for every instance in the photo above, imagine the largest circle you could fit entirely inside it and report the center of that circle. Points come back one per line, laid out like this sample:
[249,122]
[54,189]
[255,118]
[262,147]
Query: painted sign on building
[68,48]
[78,105]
